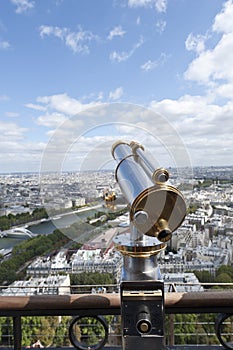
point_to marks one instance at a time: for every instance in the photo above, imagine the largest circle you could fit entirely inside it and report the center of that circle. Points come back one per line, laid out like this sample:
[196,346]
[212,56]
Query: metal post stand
[156,210]
[142,306]
[142,294]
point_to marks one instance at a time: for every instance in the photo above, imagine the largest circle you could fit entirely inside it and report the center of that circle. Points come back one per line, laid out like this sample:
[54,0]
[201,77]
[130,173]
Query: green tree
[204,276]
[90,278]
[6,331]
[28,250]
[185,328]
[225,269]
[39,327]
[223,278]
[7,221]
[61,336]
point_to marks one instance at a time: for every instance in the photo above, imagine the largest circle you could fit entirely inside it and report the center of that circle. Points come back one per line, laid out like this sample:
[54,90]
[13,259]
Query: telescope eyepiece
[164,233]
[160,176]
[143,322]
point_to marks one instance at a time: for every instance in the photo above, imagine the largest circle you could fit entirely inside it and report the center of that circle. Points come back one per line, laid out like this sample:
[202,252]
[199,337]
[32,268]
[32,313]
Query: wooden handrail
[73,304]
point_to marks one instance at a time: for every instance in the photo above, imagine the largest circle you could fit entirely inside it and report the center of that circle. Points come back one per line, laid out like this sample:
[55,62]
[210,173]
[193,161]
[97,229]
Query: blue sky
[59,58]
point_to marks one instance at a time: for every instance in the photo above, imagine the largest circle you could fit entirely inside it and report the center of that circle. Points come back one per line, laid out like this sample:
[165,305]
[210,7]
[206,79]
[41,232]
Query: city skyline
[154,71]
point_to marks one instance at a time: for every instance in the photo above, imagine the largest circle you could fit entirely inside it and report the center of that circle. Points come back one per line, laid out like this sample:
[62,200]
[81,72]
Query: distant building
[59,285]
[17,209]
[93,260]
[84,260]
[52,265]
[181,282]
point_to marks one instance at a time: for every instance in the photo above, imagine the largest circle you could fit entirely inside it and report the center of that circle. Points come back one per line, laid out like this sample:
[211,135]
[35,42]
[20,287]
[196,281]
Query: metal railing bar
[107,303]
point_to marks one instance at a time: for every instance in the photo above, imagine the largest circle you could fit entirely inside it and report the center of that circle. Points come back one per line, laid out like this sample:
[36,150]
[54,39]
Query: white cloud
[116,94]
[52,120]
[4,45]
[201,68]
[62,103]
[93,96]
[50,30]
[206,134]
[204,124]
[224,90]
[23,5]
[119,56]
[117,31]
[125,55]
[223,21]
[160,26]
[77,41]
[11,114]
[150,65]
[186,105]
[102,126]
[213,67]
[197,118]
[195,43]
[20,156]
[159,5]
[35,106]
[138,20]
[62,116]
[11,131]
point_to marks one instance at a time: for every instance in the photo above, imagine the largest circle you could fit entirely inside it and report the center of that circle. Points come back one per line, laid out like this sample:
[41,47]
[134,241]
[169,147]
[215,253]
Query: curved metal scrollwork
[88,332]
[224,330]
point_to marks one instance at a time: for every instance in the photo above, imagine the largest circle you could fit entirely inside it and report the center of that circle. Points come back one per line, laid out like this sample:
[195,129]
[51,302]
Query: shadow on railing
[22,288]
[211,302]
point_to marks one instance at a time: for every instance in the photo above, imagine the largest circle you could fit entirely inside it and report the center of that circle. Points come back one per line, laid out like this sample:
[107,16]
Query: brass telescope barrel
[156,208]
[129,174]
[147,162]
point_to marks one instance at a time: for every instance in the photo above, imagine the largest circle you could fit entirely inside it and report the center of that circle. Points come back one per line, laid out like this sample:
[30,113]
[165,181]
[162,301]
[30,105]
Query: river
[47,227]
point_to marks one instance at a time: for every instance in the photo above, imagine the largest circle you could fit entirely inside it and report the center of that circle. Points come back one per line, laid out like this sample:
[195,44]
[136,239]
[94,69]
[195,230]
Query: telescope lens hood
[164,235]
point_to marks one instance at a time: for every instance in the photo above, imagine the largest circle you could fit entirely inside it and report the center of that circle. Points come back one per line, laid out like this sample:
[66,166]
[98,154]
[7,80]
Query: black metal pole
[17,331]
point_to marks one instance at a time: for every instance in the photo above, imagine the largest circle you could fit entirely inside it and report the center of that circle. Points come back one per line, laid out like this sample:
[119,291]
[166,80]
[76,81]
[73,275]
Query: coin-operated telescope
[156,209]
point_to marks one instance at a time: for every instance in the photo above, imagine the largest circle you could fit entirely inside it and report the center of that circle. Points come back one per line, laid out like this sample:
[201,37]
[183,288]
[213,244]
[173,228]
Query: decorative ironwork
[224,330]
[88,332]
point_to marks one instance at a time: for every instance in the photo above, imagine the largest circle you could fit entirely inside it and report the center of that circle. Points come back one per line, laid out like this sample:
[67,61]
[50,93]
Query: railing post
[171,337]
[171,318]
[17,332]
